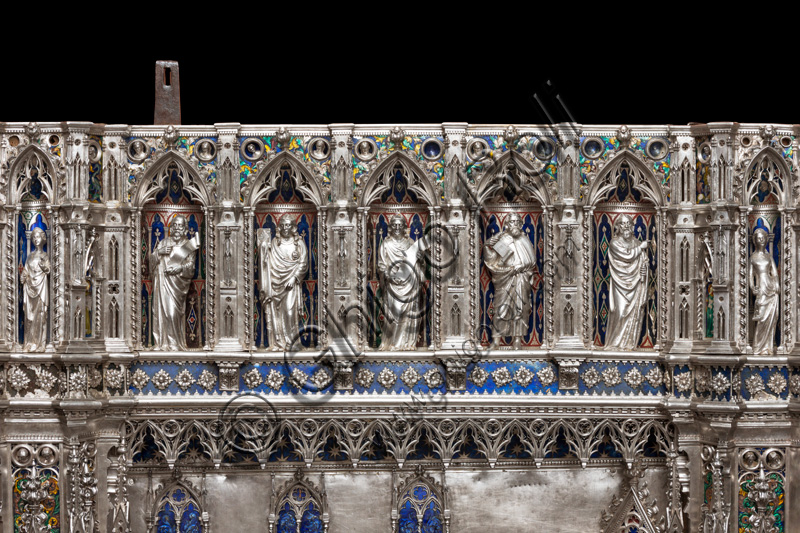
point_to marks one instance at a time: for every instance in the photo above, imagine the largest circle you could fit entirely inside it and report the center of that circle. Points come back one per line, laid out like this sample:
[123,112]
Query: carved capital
[228,376]
[343,375]
[456,374]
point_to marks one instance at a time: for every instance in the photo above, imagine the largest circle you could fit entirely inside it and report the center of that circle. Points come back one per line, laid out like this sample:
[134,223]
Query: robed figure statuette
[35,294]
[283,265]
[401,278]
[510,257]
[765,285]
[172,264]
[627,291]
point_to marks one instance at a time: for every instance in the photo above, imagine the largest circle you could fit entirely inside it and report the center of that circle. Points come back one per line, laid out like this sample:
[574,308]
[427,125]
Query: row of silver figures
[509,255]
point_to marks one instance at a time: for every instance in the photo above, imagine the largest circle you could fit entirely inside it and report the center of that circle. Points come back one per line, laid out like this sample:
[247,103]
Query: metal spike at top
[168,93]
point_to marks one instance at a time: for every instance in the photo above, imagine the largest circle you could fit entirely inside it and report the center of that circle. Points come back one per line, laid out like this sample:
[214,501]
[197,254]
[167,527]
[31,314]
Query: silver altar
[536,421]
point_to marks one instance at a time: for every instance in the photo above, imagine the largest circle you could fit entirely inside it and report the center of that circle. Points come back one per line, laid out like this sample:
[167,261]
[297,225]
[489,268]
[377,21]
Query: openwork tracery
[262,441]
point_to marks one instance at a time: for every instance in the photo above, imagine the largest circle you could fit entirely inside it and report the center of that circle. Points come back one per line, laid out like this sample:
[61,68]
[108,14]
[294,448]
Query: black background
[266,80]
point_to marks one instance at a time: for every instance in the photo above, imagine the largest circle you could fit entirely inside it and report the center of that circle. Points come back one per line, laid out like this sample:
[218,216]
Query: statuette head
[177,228]
[514,224]
[397,225]
[624,226]
[286,226]
[760,237]
[38,237]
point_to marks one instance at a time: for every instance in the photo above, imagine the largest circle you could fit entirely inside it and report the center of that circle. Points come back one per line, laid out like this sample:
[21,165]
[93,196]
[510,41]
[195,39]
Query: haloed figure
[510,258]
[627,291]
[765,285]
[172,264]
[35,297]
[284,262]
[401,278]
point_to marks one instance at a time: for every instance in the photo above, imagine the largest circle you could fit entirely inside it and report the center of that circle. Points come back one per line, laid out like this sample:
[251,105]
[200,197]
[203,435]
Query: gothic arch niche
[420,506]
[178,510]
[399,188]
[767,193]
[283,188]
[169,190]
[299,508]
[512,187]
[626,188]
[31,180]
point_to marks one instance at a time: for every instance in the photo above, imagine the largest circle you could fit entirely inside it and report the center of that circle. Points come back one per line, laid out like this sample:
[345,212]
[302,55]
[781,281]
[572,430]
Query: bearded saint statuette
[627,291]
[172,264]
[510,258]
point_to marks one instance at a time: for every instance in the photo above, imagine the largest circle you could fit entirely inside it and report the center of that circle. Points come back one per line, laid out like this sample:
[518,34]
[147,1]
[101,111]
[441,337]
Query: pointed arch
[642,178]
[177,505]
[29,159]
[300,506]
[268,179]
[490,182]
[687,182]
[511,186]
[156,178]
[633,510]
[113,258]
[625,186]
[421,505]
[284,187]
[380,178]
[781,183]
